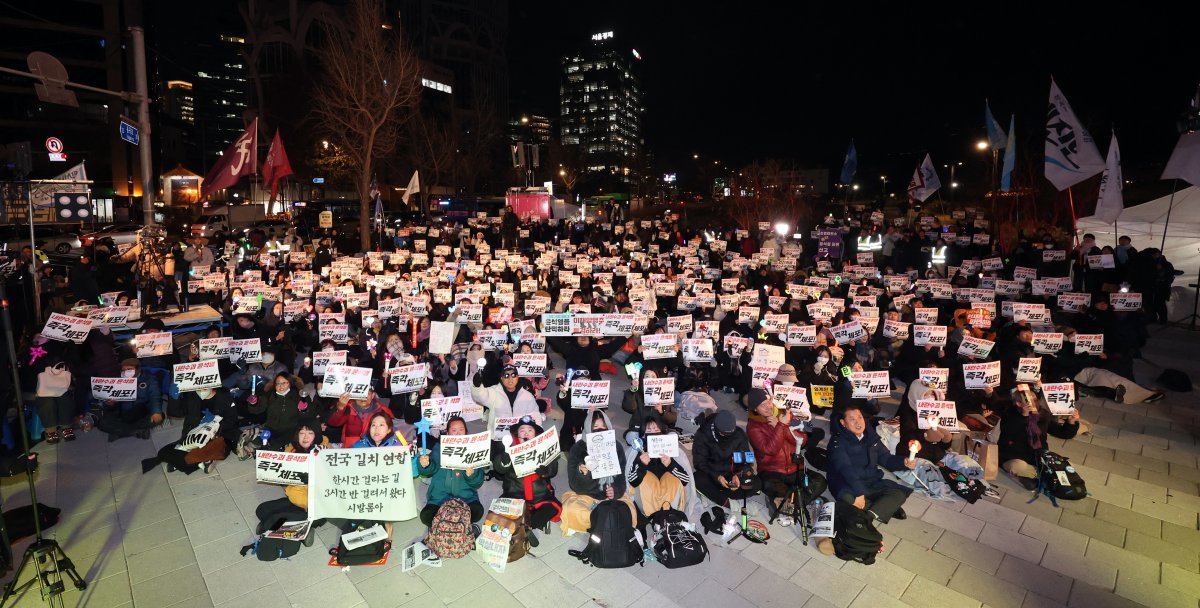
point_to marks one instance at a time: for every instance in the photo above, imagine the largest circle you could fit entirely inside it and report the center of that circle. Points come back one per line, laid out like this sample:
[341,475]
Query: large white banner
[364,483]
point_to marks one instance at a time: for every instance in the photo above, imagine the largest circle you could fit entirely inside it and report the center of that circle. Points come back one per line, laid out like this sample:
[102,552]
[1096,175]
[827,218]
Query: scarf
[1035,433]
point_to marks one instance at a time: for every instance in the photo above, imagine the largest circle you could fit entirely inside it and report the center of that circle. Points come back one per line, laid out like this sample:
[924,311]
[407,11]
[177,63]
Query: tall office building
[601,102]
[221,92]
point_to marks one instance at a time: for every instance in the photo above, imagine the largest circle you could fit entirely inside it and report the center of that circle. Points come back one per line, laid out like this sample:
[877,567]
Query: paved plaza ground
[160,540]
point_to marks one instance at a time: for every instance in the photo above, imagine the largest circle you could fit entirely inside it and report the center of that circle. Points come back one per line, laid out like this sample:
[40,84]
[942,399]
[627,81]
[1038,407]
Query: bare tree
[368,90]
[434,148]
[566,162]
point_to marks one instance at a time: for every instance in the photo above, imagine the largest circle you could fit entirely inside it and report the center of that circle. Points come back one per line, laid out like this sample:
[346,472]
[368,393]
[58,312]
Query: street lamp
[953,166]
[981,145]
[884,179]
[782,229]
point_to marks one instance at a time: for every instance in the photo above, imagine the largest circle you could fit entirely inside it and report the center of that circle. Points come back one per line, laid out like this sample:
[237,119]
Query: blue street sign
[318,180]
[129,133]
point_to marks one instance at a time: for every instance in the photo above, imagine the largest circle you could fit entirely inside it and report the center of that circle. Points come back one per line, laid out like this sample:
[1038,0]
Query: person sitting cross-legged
[855,456]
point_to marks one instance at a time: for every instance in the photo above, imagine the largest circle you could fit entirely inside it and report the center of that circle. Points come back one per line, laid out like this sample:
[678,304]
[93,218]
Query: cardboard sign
[530,366]
[659,346]
[1125,301]
[871,385]
[976,348]
[153,345]
[341,379]
[321,360]
[601,456]
[1047,343]
[1090,344]
[406,378]
[665,444]
[802,335]
[589,393]
[282,468]
[64,328]
[462,452]
[1029,369]
[929,335]
[1060,397]
[658,391]
[937,414]
[528,456]
[114,389]
[374,484]
[250,349]
[195,376]
[935,377]
[981,375]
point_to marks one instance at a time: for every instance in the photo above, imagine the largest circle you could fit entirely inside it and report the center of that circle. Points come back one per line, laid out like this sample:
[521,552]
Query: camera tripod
[795,497]
[44,555]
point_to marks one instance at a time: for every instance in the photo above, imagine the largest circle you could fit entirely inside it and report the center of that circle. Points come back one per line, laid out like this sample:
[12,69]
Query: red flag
[241,158]
[277,166]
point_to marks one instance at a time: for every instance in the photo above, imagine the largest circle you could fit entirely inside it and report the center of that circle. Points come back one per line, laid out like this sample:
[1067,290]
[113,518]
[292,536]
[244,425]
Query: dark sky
[746,80]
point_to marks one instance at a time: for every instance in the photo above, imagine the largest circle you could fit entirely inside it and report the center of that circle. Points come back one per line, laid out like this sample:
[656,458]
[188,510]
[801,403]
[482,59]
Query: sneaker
[1028,483]
[68,434]
[1157,396]
[208,466]
[784,522]
[825,546]
[1120,397]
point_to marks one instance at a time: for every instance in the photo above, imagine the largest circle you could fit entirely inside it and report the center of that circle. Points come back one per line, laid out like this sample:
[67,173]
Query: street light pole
[139,74]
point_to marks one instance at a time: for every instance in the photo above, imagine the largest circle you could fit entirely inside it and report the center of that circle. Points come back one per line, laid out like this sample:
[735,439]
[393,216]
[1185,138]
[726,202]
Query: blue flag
[1010,155]
[850,165]
[996,136]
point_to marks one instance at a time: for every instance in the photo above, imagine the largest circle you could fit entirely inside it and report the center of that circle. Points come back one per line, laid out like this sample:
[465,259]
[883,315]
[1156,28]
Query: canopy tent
[1146,223]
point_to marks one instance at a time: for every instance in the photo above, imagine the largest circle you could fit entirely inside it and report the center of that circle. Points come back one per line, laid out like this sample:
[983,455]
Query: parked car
[268,227]
[120,234]
[49,238]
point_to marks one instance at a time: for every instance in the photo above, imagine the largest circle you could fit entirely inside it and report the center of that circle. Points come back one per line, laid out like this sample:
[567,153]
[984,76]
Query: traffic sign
[58,157]
[129,132]
[54,145]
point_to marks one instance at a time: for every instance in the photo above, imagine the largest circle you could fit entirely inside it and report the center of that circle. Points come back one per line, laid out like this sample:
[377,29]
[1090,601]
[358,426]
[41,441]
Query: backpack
[674,545]
[249,441]
[1175,380]
[612,541]
[855,538]
[450,535]
[366,554]
[518,543]
[269,548]
[969,489]
[1058,479]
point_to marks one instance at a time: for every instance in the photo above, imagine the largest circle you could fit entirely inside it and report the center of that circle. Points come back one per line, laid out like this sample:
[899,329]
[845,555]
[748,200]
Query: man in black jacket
[722,472]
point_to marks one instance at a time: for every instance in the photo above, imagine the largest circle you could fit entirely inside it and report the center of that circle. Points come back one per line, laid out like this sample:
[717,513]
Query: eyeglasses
[508,375]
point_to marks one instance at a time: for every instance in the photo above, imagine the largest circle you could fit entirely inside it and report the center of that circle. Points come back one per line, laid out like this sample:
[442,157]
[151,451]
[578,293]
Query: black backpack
[269,548]
[969,489]
[366,554]
[1175,380]
[855,537]
[1058,479]
[612,541]
[673,544]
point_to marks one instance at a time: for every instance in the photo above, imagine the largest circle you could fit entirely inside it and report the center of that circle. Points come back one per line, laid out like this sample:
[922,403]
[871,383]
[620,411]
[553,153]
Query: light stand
[1192,318]
[45,555]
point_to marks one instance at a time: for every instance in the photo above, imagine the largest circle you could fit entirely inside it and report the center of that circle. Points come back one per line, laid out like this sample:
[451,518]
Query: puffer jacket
[445,484]
[854,463]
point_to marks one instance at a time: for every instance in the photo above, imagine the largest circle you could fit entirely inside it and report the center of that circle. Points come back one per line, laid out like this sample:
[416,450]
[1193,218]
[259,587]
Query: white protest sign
[113,316]
[65,328]
[441,409]
[1060,397]
[245,305]
[251,349]
[374,484]
[1029,369]
[977,348]
[929,335]
[1091,344]
[556,324]
[461,452]
[406,378]
[1074,301]
[697,350]
[115,389]
[493,545]
[659,346]
[340,379]
[1125,301]
[658,391]
[529,455]
[937,414]
[871,385]
[793,398]
[1047,343]
[935,377]
[849,332]
[896,330]
[618,325]
[586,324]
[664,444]
[214,348]
[589,393]
[681,323]
[530,365]
[441,337]
[981,375]
[747,315]
[492,339]
[363,537]
[153,345]
[282,468]
[601,457]
[926,316]
[823,527]
[338,333]
[197,375]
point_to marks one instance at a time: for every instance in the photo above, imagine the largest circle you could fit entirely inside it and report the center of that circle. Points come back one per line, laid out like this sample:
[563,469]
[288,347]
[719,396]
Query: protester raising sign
[896,330]
[1047,343]
[407,378]
[871,385]
[197,375]
[1029,369]
[214,348]
[937,414]
[929,335]
[343,379]
[935,377]
[153,345]
[114,389]
[976,348]
[375,484]
[658,391]
[530,365]
[461,452]
[1089,344]
[665,444]
[926,316]
[282,468]
[1060,397]
[65,328]
[793,398]
[589,393]
[248,351]
[697,350]
[601,459]
[321,360]
[528,456]
[659,346]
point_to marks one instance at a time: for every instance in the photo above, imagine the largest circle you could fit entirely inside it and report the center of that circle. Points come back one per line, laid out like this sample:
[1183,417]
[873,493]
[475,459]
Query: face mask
[268,359]
[205,394]
[284,392]
[129,373]
[822,360]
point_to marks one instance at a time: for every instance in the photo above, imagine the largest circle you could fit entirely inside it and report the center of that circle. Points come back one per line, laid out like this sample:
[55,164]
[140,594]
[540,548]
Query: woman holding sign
[659,480]
[306,439]
[542,507]
[445,484]
[586,470]
[354,416]
[1024,426]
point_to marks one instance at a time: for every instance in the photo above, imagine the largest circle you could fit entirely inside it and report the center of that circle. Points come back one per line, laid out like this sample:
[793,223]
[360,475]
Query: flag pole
[1074,226]
[1170,205]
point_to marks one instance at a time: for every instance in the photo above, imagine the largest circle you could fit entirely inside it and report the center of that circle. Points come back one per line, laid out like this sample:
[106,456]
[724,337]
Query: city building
[601,104]
[221,94]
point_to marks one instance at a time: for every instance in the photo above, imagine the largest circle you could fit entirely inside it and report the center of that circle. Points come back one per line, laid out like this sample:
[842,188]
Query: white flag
[1185,160]
[1111,204]
[1071,154]
[924,181]
[414,186]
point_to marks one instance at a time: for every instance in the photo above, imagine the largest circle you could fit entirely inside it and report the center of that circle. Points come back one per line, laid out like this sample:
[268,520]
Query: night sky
[796,80]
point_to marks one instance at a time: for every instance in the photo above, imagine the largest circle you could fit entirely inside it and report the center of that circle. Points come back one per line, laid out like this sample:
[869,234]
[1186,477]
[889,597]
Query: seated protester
[586,490]
[718,478]
[251,377]
[855,456]
[133,418]
[634,403]
[821,374]
[198,405]
[657,482]
[354,417]
[732,363]
[774,443]
[504,400]
[279,402]
[1023,428]
[535,489]
[445,484]
[935,441]
[379,435]
[306,439]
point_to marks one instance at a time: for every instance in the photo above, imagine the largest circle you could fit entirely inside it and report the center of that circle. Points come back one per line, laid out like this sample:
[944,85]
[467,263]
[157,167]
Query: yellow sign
[822,395]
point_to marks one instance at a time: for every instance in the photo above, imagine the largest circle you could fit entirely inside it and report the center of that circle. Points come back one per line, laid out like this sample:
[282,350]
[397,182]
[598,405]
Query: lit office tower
[601,102]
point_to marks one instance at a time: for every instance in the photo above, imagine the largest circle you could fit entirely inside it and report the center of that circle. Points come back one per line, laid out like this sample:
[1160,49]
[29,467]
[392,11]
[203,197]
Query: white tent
[1145,224]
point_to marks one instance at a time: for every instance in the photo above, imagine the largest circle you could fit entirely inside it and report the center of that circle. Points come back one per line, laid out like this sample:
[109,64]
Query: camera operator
[722,471]
[154,268]
[777,449]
